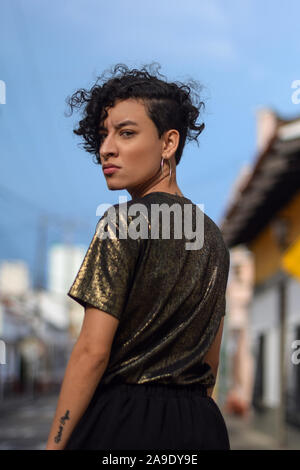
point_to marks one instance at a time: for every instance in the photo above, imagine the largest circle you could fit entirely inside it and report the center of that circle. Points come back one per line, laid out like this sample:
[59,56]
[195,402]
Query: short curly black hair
[168,105]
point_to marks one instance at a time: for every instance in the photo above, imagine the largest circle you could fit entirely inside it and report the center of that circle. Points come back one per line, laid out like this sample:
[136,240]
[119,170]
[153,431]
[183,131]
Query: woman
[142,371]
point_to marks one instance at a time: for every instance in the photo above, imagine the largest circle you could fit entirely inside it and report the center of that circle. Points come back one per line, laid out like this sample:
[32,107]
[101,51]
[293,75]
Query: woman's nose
[108,143]
[108,146]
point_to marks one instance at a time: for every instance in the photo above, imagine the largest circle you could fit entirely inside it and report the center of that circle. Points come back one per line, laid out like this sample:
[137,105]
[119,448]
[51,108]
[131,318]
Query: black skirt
[150,416]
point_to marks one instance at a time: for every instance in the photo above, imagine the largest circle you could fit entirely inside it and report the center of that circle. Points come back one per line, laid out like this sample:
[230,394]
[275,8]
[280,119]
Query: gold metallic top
[169,299]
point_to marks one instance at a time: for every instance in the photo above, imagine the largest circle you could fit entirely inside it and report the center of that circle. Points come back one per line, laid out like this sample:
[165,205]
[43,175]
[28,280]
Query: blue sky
[245,53]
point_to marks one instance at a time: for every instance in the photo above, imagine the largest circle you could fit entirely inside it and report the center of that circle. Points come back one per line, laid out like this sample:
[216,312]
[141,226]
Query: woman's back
[168,296]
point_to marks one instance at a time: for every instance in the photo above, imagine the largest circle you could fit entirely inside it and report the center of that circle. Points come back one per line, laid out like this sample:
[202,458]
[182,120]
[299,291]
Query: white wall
[271,367]
[64,263]
[264,319]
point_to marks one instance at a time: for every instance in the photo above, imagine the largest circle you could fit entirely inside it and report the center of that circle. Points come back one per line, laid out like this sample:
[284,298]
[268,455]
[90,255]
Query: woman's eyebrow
[121,124]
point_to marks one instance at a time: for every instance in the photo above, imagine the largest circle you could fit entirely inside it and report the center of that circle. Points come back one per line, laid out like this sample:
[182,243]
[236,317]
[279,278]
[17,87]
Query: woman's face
[135,148]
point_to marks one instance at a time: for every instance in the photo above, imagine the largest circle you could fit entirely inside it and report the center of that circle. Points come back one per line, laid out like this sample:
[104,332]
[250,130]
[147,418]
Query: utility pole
[41,252]
[68,239]
[282,437]
[281,227]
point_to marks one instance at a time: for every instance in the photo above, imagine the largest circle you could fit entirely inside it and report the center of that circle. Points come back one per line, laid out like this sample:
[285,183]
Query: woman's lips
[110,170]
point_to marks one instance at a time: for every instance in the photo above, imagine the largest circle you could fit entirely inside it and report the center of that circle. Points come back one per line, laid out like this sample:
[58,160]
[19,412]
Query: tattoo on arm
[62,421]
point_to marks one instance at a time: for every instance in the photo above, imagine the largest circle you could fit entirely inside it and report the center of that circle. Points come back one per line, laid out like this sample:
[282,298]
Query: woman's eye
[103,136]
[127,132]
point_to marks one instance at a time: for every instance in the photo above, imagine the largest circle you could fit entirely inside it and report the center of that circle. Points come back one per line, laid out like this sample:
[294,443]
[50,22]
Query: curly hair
[168,105]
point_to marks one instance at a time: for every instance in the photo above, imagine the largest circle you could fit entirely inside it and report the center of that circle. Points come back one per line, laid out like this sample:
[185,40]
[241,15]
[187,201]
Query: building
[264,217]
[238,344]
[34,333]
[64,263]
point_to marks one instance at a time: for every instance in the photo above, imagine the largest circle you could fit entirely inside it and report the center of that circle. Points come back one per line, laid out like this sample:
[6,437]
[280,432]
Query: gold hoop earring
[170,169]
[161,165]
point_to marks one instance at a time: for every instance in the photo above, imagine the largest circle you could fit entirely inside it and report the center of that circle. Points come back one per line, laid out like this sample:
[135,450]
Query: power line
[58,219]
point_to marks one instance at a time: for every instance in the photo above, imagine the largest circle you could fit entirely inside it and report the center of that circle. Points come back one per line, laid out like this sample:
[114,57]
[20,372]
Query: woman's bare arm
[85,368]
[80,381]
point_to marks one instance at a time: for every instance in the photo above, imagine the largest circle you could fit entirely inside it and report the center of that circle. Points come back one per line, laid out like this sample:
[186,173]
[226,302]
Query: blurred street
[244,436]
[25,425]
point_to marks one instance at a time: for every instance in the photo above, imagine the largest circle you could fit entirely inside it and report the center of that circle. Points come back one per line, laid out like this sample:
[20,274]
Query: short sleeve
[107,272]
